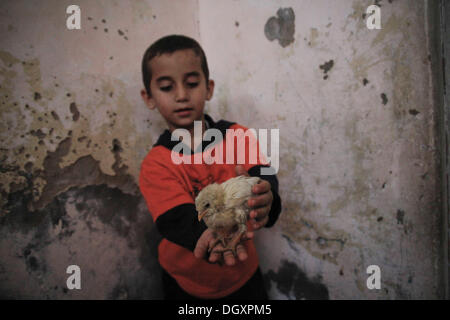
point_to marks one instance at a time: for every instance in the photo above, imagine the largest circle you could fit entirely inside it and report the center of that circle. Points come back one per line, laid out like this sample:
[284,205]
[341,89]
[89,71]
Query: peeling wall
[358,153]
[73,134]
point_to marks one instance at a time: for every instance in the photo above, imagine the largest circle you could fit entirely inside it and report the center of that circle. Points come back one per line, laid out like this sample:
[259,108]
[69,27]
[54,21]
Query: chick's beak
[202,214]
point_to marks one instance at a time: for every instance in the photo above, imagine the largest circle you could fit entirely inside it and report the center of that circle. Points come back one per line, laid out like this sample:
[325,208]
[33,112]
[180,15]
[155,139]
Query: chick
[223,208]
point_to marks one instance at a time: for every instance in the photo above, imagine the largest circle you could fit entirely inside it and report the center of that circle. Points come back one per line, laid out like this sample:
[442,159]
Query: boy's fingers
[261,187]
[241,252]
[228,256]
[248,235]
[216,253]
[201,248]
[260,199]
[203,244]
[260,213]
[215,256]
[259,224]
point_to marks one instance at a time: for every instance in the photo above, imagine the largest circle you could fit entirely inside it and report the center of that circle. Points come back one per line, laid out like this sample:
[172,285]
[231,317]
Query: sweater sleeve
[170,204]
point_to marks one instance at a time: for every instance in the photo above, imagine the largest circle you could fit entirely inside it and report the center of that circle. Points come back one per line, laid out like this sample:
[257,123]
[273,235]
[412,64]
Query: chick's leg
[236,239]
[218,238]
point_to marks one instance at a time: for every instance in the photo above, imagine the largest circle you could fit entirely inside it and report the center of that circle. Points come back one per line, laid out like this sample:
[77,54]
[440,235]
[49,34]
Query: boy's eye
[192,84]
[165,88]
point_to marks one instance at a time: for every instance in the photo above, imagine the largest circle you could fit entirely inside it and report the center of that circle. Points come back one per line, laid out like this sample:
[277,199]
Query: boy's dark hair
[170,44]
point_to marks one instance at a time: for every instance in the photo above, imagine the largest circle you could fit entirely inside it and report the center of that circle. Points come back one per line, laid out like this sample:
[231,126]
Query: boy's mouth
[184,111]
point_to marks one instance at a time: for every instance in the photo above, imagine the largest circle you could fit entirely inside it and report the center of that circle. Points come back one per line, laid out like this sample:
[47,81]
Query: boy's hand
[261,203]
[207,239]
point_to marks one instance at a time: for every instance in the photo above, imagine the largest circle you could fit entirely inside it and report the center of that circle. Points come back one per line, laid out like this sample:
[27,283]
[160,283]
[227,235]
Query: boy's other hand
[207,240]
[261,203]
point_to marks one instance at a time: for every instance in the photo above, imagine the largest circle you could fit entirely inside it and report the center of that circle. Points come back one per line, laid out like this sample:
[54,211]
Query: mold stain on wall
[281,28]
[291,281]
[93,227]
[319,240]
[68,172]
[39,130]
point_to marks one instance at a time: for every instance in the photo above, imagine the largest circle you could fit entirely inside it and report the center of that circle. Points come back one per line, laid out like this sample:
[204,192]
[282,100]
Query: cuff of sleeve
[180,225]
[276,203]
[275,210]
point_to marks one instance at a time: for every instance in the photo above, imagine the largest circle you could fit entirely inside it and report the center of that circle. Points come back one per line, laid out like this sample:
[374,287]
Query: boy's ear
[149,101]
[210,89]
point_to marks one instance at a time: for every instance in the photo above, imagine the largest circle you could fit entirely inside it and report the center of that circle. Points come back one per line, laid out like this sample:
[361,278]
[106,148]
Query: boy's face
[178,88]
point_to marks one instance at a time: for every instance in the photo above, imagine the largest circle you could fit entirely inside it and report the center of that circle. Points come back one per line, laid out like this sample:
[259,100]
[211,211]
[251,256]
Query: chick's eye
[207,205]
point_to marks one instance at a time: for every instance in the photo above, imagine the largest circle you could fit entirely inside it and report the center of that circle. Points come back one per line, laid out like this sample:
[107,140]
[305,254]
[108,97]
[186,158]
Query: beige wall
[357,149]
[74,131]
[357,175]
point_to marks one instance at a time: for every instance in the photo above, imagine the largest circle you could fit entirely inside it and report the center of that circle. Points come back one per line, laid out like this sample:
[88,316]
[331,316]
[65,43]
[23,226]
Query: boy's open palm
[217,254]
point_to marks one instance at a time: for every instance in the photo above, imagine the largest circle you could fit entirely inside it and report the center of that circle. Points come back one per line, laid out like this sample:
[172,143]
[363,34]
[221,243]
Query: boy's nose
[181,94]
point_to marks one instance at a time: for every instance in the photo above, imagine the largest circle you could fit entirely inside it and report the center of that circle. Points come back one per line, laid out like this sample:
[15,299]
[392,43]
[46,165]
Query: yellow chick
[223,208]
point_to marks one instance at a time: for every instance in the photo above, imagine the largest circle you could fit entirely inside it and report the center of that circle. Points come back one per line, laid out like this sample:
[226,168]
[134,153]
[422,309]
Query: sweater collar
[222,125]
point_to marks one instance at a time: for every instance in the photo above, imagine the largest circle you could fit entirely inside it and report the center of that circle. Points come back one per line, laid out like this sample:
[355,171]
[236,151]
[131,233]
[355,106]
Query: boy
[176,80]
